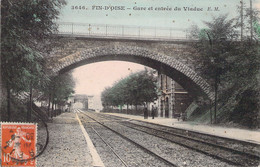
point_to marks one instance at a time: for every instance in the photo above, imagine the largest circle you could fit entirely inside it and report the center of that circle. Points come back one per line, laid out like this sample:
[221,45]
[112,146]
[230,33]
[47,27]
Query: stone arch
[179,72]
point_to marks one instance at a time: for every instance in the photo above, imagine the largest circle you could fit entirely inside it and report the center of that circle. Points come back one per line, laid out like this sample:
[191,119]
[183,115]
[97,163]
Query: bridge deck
[122,32]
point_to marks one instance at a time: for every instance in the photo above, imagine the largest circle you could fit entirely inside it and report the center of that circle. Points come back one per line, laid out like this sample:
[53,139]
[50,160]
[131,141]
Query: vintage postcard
[130,83]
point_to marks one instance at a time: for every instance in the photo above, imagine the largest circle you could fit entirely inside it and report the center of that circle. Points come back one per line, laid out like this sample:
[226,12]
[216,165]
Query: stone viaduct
[173,58]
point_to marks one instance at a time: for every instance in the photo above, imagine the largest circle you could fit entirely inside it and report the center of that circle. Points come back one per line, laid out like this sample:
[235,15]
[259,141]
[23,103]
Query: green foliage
[246,109]
[203,34]
[257,29]
[60,87]
[221,27]
[216,42]
[136,89]
[26,27]
[26,30]
[250,15]
[232,65]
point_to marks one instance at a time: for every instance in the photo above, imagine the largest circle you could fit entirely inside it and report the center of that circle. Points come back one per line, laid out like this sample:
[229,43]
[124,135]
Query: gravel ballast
[67,146]
[179,155]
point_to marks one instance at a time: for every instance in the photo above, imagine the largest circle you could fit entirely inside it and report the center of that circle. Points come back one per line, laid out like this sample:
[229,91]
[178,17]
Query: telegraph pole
[242,17]
[215,100]
[251,20]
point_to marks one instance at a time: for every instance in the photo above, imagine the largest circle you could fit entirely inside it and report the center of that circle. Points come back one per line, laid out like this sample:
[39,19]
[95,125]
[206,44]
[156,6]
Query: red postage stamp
[18,143]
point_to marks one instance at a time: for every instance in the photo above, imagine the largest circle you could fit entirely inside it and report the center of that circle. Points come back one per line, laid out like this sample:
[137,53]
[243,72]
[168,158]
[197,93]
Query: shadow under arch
[179,72]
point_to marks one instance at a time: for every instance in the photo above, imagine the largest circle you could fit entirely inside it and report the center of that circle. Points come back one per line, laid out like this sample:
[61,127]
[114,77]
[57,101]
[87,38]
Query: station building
[172,98]
[78,101]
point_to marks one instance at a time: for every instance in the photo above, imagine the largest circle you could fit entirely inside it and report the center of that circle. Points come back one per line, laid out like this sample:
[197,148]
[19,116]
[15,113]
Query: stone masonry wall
[173,57]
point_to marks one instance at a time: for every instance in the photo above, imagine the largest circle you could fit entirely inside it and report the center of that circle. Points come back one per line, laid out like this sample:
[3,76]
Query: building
[91,102]
[172,98]
[78,101]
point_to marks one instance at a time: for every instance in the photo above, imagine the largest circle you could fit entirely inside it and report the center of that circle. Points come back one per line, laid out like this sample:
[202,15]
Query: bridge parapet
[122,31]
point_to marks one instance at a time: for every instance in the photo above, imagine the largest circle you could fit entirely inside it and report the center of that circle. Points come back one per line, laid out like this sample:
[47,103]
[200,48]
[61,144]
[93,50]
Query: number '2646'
[78,7]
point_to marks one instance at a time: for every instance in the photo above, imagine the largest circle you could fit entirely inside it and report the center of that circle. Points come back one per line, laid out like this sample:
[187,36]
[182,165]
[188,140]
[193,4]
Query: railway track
[232,151]
[243,146]
[163,161]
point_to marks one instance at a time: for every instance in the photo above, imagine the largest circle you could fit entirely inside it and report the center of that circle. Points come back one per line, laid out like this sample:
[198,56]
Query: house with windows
[172,98]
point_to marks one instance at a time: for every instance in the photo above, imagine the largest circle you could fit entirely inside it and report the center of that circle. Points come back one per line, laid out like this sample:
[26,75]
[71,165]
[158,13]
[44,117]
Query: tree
[27,27]
[105,97]
[58,90]
[136,89]
[246,19]
[229,64]
[256,27]
[143,88]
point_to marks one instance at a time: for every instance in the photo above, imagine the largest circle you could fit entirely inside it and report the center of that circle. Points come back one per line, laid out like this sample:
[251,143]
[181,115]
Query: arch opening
[179,72]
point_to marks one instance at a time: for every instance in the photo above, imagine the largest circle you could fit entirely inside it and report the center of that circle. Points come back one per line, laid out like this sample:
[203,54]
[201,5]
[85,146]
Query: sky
[109,14]
[91,79]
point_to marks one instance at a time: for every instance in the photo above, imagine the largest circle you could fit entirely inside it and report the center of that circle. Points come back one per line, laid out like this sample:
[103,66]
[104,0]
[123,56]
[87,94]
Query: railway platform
[252,136]
[67,144]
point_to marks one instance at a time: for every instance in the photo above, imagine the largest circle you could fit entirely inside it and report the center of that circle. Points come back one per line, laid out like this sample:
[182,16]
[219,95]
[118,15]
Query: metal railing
[121,31]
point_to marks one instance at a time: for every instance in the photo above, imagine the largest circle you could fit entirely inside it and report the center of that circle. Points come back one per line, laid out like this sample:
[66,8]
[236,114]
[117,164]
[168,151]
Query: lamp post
[217,72]
[251,20]
[211,47]
[215,88]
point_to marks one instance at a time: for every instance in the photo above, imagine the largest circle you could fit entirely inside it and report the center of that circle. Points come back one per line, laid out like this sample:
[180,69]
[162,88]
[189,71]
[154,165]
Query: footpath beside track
[223,154]
[155,159]
[67,146]
[233,151]
[129,142]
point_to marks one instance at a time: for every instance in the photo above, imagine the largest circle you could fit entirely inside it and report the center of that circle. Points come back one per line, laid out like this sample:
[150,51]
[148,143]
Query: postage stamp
[18,144]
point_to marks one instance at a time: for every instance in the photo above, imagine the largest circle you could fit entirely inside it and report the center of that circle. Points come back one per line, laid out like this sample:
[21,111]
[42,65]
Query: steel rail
[224,148]
[138,145]
[110,148]
[182,143]
[193,132]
